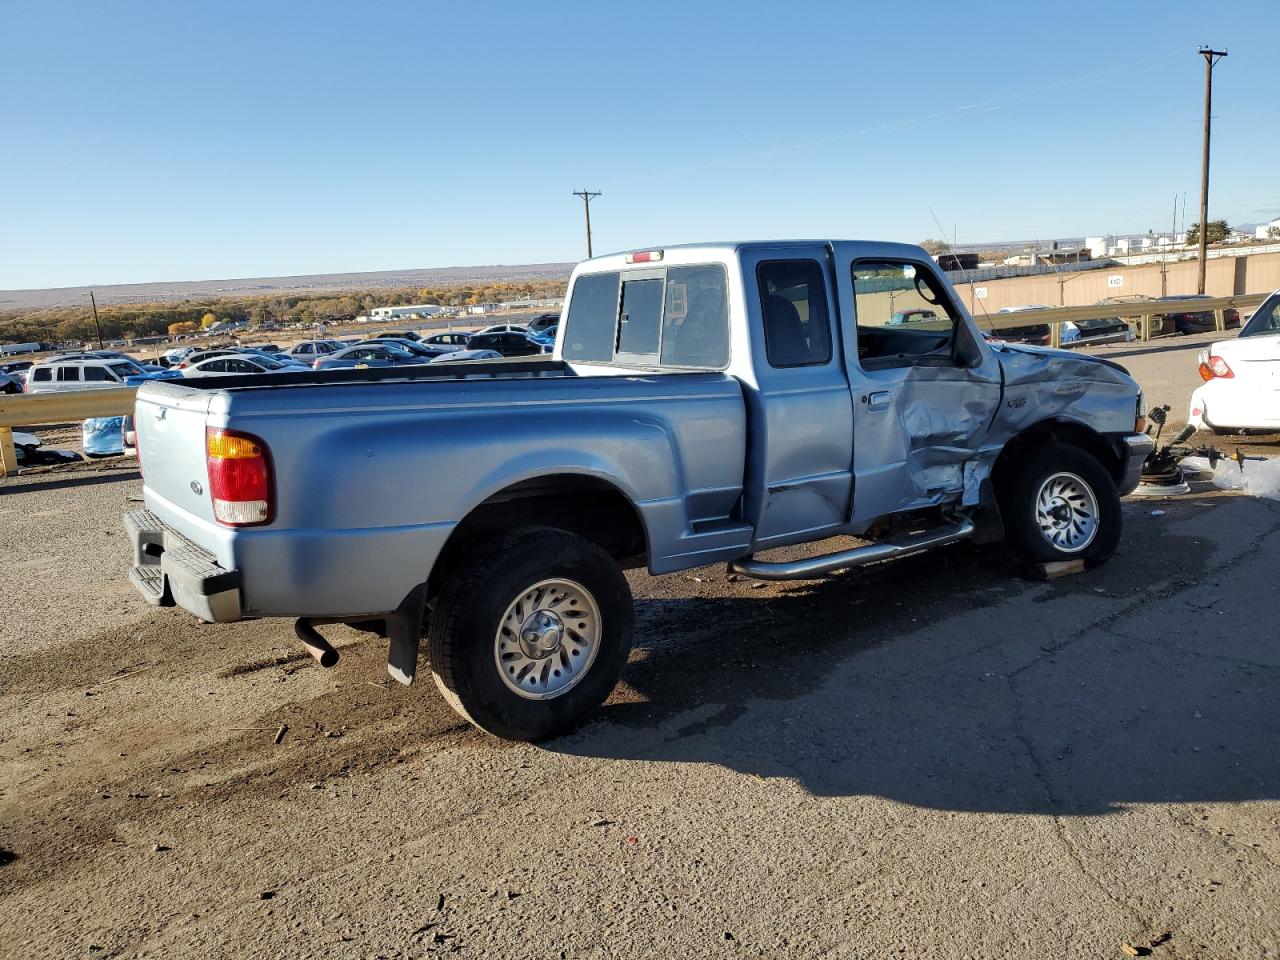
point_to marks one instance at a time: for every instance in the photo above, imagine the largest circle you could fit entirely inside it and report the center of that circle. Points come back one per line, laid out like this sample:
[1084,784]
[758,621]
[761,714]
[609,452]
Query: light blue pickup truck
[704,404]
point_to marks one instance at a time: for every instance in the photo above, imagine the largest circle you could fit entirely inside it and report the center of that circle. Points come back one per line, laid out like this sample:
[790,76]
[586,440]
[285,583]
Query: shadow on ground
[946,681]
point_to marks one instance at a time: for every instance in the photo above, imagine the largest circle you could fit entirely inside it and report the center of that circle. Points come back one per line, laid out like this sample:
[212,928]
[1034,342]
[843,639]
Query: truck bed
[372,469]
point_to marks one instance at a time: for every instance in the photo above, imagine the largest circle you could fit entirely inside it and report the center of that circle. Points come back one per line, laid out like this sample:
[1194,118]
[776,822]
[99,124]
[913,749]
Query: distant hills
[312,283]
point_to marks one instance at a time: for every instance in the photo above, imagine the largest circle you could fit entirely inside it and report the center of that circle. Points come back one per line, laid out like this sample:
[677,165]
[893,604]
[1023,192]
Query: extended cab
[703,404]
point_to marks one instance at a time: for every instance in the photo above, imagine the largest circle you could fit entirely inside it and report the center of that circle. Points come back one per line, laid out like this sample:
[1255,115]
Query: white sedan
[237,363]
[1241,389]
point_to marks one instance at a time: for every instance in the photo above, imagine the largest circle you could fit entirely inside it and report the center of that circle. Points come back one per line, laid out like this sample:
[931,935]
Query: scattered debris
[1129,950]
[121,676]
[267,895]
[284,728]
[631,841]
[602,823]
[1160,938]
[160,848]
[440,903]
[758,585]
[7,856]
[1158,513]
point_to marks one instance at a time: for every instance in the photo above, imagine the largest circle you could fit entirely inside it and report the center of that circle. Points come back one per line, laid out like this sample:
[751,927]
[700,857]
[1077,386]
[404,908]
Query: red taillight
[1215,367]
[239,478]
[646,256]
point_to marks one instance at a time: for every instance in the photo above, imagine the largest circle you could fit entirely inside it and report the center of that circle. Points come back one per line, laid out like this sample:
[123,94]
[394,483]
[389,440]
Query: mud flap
[404,630]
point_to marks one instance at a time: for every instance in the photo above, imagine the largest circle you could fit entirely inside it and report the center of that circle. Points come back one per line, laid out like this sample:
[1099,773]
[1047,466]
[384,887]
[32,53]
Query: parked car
[543,322]
[451,339]
[87,373]
[509,344]
[468,355]
[308,350]
[108,355]
[546,336]
[430,351]
[1190,320]
[1037,334]
[194,359]
[1241,389]
[19,367]
[11,383]
[705,404]
[1107,330]
[505,328]
[236,364]
[399,335]
[368,355]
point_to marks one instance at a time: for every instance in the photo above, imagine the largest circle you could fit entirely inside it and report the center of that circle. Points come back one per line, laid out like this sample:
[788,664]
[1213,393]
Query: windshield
[125,369]
[268,364]
[1265,320]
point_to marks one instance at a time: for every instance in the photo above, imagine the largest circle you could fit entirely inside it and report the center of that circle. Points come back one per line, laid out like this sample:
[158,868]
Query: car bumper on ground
[1135,447]
[169,570]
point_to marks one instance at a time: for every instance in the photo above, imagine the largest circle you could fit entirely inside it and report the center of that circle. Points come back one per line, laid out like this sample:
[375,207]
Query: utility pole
[587,196]
[96,326]
[1211,57]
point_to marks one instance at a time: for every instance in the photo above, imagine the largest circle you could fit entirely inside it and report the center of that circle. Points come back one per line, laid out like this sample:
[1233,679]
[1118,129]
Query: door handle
[880,398]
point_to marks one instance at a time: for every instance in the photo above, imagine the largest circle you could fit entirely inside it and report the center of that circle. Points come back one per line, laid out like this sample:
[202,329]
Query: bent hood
[1041,383]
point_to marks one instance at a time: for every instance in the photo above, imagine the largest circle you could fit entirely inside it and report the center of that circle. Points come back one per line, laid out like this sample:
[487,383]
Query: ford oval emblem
[196,488]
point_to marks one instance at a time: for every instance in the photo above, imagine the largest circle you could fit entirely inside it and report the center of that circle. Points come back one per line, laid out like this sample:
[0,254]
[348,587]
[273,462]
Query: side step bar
[813,567]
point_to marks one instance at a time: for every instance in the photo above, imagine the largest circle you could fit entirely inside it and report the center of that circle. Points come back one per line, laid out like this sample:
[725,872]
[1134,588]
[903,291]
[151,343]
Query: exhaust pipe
[316,645]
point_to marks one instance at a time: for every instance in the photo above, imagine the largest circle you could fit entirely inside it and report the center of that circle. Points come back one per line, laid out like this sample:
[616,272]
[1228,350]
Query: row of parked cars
[96,369]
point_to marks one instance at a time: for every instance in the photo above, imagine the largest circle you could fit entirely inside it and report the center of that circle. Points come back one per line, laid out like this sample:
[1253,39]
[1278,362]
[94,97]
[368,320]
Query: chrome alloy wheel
[1067,512]
[547,639]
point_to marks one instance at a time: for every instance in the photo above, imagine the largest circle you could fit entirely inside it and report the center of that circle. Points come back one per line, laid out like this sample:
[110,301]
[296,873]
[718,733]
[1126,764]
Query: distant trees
[181,327]
[933,246]
[160,317]
[1216,233]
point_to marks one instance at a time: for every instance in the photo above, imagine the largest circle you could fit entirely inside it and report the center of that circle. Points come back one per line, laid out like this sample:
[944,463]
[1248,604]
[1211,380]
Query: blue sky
[162,141]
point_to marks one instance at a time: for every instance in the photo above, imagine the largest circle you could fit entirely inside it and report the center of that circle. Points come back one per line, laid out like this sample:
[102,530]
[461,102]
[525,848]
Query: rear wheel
[1061,504]
[531,632]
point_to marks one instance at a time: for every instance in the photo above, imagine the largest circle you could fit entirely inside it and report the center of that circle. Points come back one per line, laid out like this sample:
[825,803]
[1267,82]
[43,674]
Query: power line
[587,196]
[1211,57]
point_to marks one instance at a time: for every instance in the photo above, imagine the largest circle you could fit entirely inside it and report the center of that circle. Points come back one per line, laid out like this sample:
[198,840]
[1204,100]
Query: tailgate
[169,421]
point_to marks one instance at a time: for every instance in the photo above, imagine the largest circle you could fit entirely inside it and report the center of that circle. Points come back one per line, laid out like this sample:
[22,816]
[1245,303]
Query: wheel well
[1058,431]
[588,506]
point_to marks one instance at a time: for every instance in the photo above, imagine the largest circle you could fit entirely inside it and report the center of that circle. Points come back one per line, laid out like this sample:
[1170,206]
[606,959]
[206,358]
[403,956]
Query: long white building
[413,310]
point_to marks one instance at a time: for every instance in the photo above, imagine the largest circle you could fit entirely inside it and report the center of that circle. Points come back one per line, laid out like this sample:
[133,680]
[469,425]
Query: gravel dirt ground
[931,758]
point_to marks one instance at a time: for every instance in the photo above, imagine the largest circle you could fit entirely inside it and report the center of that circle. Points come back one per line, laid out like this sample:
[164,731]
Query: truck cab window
[592,320]
[903,313]
[640,317]
[793,303]
[695,320]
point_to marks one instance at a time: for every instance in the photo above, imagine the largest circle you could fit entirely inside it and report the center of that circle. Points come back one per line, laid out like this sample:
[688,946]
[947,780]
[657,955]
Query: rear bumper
[169,570]
[1134,448]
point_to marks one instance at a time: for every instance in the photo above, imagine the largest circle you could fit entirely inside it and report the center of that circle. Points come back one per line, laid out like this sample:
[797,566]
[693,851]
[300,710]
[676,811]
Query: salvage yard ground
[935,758]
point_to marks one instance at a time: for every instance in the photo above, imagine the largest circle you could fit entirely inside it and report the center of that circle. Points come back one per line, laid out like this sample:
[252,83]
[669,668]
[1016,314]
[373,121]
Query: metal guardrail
[1145,311]
[29,409]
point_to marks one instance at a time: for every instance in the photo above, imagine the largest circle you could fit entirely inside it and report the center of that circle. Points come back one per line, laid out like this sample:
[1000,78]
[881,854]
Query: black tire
[477,594]
[1022,488]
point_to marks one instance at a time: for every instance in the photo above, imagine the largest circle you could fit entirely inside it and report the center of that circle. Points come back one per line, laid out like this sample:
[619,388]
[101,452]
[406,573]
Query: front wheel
[531,632]
[1061,504]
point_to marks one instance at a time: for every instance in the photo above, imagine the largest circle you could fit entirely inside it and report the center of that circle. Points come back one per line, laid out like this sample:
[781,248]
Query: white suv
[82,374]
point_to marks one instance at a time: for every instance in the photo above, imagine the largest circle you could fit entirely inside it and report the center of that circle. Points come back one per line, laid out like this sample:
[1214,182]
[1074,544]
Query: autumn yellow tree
[207,321]
[186,326]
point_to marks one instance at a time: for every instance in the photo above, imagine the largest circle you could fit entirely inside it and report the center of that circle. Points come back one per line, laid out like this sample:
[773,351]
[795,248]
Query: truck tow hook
[316,645]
